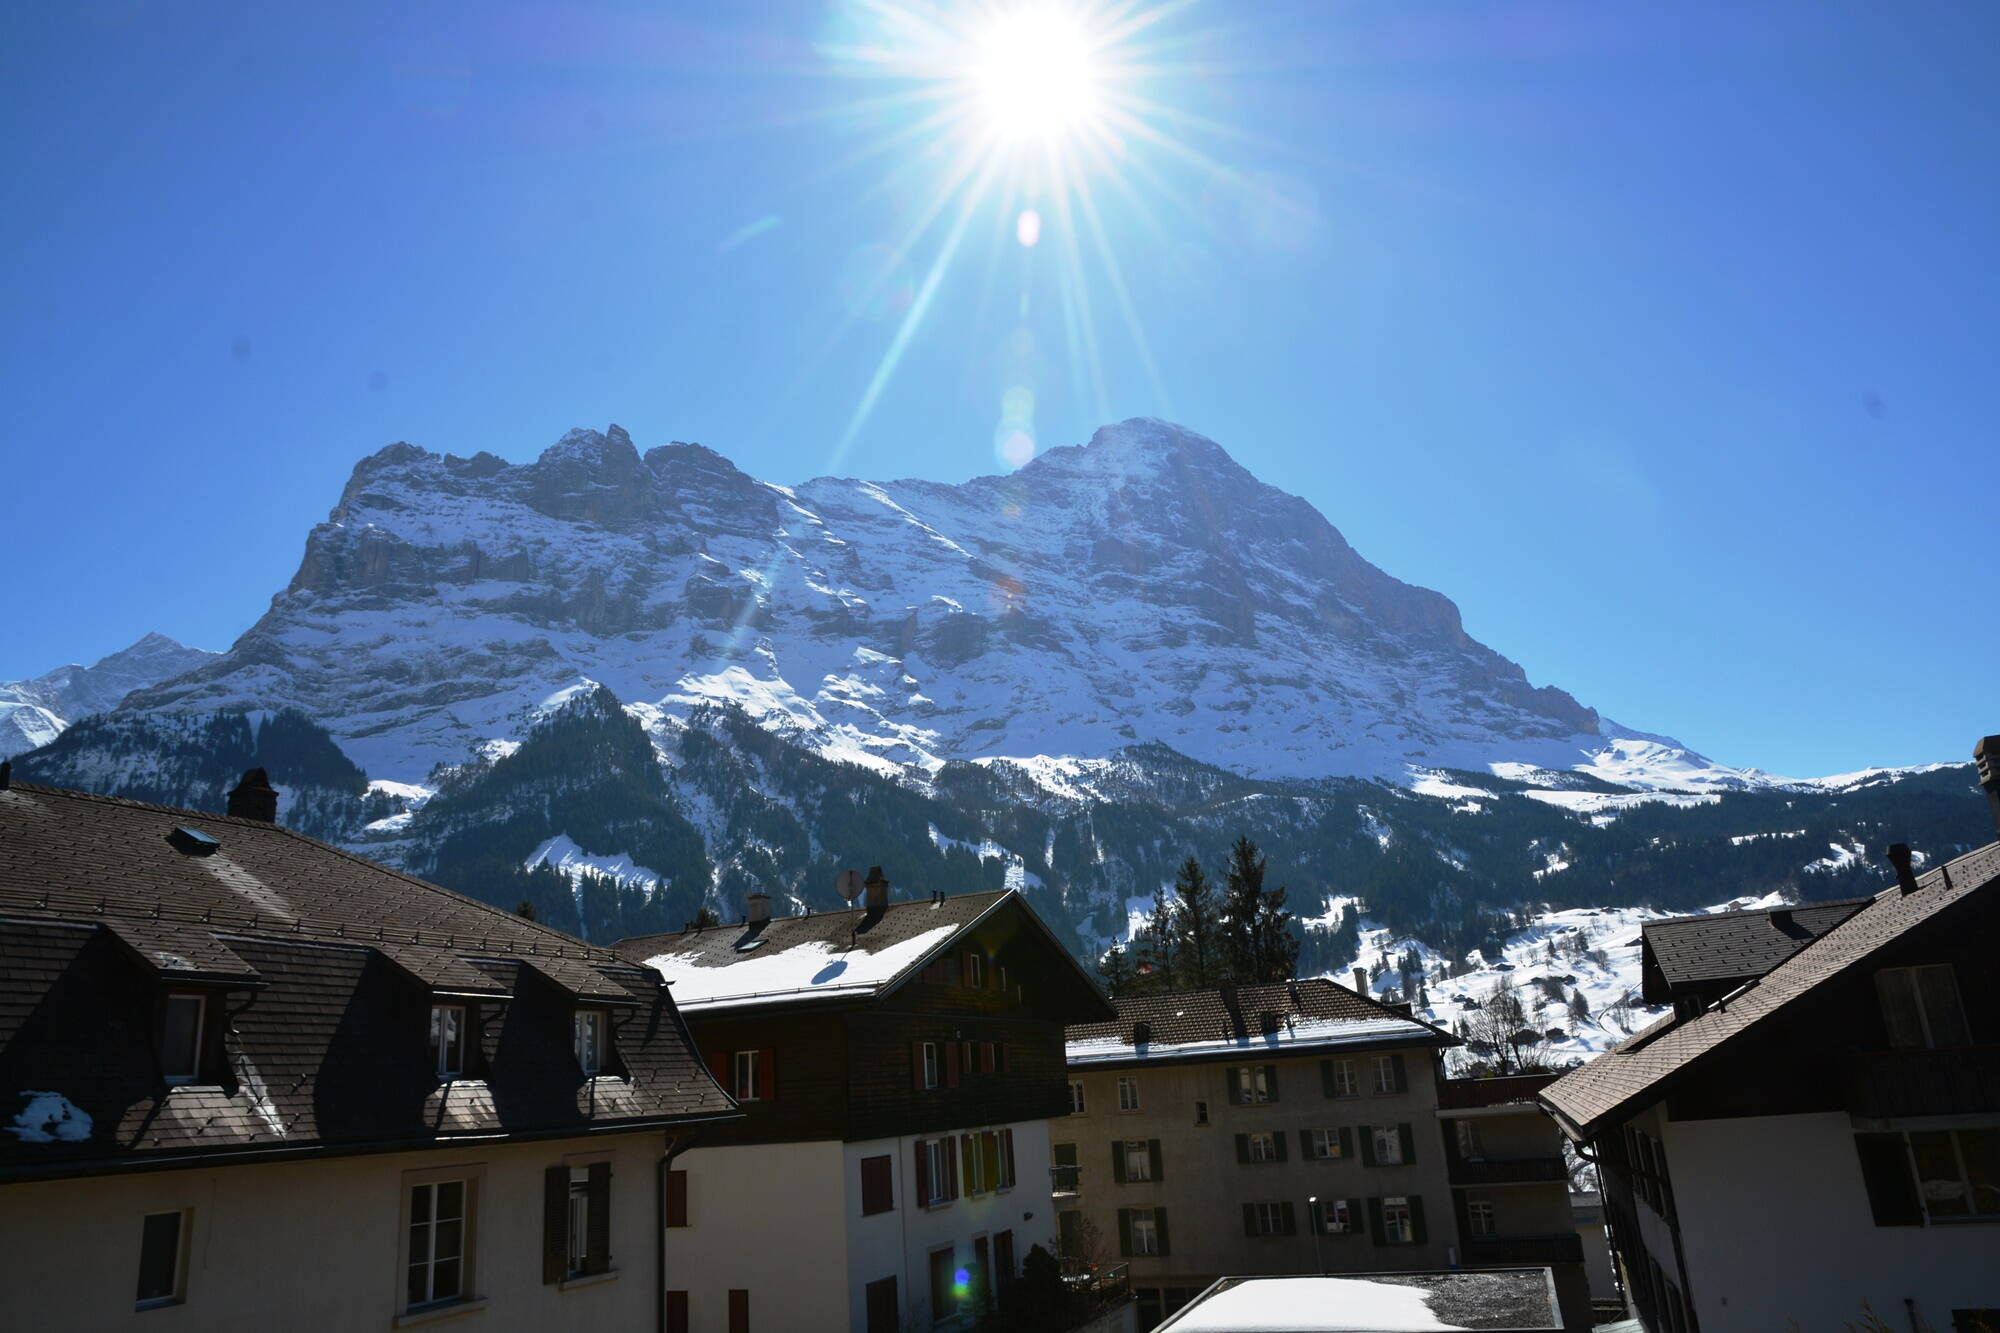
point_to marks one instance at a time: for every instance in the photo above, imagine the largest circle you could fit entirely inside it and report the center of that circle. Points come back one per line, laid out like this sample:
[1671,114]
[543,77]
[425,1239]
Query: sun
[1033,76]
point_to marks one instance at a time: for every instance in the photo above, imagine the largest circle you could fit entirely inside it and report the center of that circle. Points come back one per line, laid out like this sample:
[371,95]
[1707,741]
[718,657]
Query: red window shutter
[677,1312]
[923,1173]
[555,1223]
[719,1066]
[677,1198]
[767,1073]
[951,1169]
[739,1310]
[917,1065]
[951,1064]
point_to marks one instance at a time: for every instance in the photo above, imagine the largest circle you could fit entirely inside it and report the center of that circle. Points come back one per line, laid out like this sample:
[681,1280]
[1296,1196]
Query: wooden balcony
[1509,1170]
[1953,1080]
[1507,1251]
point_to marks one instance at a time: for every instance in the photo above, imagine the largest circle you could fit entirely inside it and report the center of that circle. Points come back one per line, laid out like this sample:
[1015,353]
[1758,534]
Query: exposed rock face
[1142,587]
[34,712]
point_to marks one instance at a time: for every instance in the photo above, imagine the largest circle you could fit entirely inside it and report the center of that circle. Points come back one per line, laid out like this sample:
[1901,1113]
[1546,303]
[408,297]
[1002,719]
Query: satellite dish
[848,884]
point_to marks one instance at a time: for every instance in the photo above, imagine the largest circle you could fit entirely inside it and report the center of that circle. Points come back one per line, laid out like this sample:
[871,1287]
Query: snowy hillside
[34,712]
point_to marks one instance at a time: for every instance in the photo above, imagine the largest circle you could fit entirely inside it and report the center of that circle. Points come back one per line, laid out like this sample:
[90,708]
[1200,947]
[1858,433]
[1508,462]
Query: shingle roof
[326,964]
[1635,1071]
[1311,1013]
[1722,947]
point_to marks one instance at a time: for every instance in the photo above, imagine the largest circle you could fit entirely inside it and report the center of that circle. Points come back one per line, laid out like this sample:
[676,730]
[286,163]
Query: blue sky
[1659,337]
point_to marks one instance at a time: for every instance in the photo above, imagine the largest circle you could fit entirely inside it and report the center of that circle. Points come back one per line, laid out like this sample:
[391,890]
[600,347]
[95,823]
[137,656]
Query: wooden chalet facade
[251,1081]
[897,1065]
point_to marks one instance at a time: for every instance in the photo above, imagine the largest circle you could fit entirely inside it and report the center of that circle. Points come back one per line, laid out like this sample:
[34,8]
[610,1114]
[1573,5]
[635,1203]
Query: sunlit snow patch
[50,1117]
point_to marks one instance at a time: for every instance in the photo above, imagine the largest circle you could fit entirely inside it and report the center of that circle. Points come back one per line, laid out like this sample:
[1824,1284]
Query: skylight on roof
[193,841]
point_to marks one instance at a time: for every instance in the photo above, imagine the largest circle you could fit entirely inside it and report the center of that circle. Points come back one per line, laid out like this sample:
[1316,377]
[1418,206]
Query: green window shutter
[1367,1147]
[1160,1231]
[1125,1232]
[555,1223]
[1416,1219]
[1305,1145]
[1271,1080]
[1402,1073]
[1288,1221]
[1375,1216]
[1346,1142]
[1233,1086]
[1409,1139]
[1278,1142]
[1118,1161]
[598,1258]
[1885,1174]
[1326,1078]
[1153,1152]
[1243,1148]
[1249,1219]
[1355,1217]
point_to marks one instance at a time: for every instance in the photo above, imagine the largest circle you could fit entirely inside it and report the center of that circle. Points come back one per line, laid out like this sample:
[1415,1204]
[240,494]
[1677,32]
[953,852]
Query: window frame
[1252,1087]
[975,970]
[443,1065]
[183,1233]
[1385,1074]
[1149,1248]
[1972,1216]
[1395,1231]
[198,1037]
[1128,1083]
[469,1181]
[1394,1156]
[1911,980]
[1138,1155]
[1269,1218]
[576,1262]
[742,1062]
[1201,1119]
[1077,1105]
[1471,1148]
[597,1023]
[1324,1145]
[1346,1081]
[1481,1217]
[1269,1141]
[1336,1217]
[933,1057]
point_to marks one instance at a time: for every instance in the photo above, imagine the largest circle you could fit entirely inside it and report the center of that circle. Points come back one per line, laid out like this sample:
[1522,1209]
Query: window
[1387,1143]
[937,1171]
[1003,1143]
[447,1040]
[1478,1213]
[974,969]
[1958,1173]
[1201,1113]
[1263,1147]
[932,1072]
[678,1320]
[1252,1084]
[677,1198]
[1326,1144]
[1385,1073]
[1396,1228]
[162,1260]
[1345,1081]
[1138,1158]
[977,1175]
[1335,1216]
[180,1037]
[1075,1097]
[877,1186]
[1268,1219]
[744,1086]
[579,1221]
[576,1219]
[1064,1178]
[437,1243]
[1128,1094]
[739,1310]
[1145,1232]
[587,1036]
[1470,1148]
[1921,1008]
[884,1315]
[944,1281]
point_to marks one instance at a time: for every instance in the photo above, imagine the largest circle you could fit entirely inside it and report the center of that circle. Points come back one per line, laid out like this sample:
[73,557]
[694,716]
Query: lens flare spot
[1016,448]
[1018,404]
[1028,228]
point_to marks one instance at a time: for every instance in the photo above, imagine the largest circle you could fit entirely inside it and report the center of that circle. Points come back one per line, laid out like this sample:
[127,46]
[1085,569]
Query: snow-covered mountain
[1140,588]
[34,712]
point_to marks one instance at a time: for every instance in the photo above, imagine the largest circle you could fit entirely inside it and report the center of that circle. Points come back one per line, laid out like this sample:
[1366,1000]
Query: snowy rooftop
[1309,1014]
[1491,1299]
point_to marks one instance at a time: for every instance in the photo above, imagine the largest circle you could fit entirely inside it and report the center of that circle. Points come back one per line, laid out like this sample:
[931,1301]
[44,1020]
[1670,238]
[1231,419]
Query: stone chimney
[1986,755]
[759,907]
[255,798]
[1899,857]
[877,889]
[1361,980]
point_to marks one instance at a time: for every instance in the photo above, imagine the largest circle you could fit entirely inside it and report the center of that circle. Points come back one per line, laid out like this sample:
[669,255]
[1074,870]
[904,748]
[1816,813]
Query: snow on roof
[1312,1032]
[807,970]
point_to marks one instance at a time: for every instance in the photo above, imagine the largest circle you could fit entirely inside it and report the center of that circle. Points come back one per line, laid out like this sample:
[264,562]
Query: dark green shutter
[1326,1078]
[1153,1152]
[1288,1221]
[1346,1143]
[1367,1146]
[1233,1085]
[1355,1219]
[597,1259]
[1278,1143]
[1409,1142]
[1118,1161]
[1249,1219]
[1885,1174]
[1271,1081]
[1402,1074]
[1305,1145]
[1160,1231]
[1416,1220]
[1375,1216]
[555,1223]
[1125,1232]
[1243,1148]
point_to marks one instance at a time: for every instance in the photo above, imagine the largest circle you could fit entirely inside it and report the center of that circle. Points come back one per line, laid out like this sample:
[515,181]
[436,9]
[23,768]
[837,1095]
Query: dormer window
[587,1037]
[448,1040]
[180,1036]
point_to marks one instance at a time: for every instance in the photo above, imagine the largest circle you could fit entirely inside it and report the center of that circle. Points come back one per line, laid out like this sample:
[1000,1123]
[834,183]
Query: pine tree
[526,911]
[1116,971]
[1242,900]
[1277,944]
[1156,952]
[1579,1008]
[1197,929]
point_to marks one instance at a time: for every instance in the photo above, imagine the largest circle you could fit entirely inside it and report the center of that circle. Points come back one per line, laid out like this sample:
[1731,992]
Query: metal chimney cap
[1986,755]
[876,879]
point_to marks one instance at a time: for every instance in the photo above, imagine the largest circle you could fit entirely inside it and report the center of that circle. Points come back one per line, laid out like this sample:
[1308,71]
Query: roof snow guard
[1639,1070]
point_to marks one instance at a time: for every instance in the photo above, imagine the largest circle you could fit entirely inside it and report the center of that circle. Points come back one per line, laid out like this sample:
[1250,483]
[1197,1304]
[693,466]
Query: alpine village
[270,1083]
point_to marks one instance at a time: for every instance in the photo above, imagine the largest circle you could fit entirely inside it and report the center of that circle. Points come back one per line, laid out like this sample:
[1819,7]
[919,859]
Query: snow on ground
[1430,782]
[811,969]
[1840,855]
[49,1117]
[1068,777]
[1018,876]
[1610,804]
[572,862]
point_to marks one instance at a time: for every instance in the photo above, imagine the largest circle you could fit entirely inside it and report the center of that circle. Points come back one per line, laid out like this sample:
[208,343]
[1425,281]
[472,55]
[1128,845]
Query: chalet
[252,1081]
[1253,1129]
[897,1064]
[1820,1146]
[1690,962]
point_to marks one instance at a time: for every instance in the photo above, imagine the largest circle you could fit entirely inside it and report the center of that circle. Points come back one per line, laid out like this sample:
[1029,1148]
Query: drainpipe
[675,1146]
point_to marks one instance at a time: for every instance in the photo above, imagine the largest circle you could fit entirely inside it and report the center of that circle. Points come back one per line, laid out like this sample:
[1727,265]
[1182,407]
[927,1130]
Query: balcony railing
[1464,1093]
[1500,1251]
[1509,1170]
[1065,1180]
[1097,1286]
[1956,1080]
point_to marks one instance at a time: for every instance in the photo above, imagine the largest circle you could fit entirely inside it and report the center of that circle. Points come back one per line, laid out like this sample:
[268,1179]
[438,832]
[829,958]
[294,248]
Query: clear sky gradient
[1660,337]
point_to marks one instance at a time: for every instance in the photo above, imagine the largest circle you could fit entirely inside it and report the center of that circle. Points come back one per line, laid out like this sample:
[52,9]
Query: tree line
[1207,933]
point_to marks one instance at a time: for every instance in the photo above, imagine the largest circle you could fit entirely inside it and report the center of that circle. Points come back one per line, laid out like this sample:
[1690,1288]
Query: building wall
[1589,1212]
[769,1219]
[318,1245]
[1204,1187]
[1778,1233]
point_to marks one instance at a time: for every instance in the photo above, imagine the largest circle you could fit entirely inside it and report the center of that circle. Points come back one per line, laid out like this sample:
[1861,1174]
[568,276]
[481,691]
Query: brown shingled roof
[1718,948]
[326,964]
[1637,1071]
